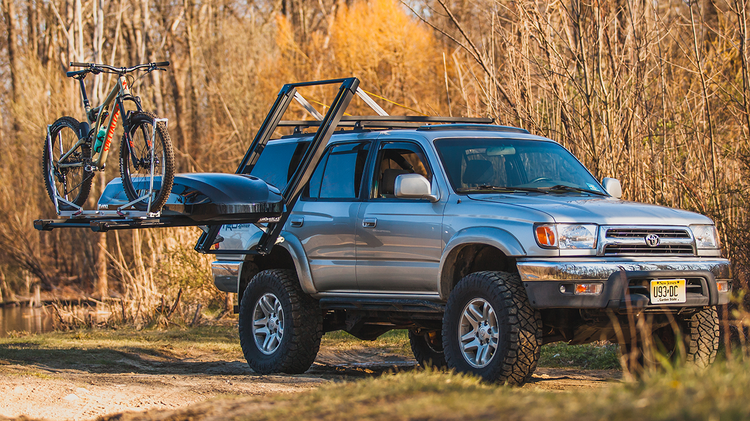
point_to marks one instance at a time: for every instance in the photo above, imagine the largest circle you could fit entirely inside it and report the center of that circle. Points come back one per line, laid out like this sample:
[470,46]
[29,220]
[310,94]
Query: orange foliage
[393,54]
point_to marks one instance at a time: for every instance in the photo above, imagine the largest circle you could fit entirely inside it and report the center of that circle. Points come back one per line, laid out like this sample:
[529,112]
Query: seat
[388,182]
[478,172]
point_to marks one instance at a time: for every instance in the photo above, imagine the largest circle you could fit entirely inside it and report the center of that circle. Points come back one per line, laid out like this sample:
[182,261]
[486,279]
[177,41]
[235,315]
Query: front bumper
[624,281]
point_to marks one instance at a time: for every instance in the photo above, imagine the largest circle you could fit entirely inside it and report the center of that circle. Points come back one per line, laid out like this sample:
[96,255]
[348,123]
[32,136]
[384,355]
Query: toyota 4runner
[484,241]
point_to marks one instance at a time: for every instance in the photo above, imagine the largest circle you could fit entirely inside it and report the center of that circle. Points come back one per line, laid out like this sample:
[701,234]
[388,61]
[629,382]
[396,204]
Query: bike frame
[115,103]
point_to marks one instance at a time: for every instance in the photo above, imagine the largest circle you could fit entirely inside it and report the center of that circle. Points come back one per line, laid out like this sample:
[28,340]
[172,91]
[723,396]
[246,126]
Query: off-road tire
[141,125]
[700,338]
[519,327]
[302,324]
[428,349]
[69,126]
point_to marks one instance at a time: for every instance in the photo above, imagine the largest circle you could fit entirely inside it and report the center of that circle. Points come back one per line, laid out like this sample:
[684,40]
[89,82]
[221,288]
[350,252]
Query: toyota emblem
[652,240]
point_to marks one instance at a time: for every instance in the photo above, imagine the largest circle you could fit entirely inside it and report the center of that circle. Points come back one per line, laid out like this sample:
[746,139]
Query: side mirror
[413,186]
[612,186]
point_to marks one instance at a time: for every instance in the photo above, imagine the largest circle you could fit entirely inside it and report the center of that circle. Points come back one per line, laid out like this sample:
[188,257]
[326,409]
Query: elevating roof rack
[279,204]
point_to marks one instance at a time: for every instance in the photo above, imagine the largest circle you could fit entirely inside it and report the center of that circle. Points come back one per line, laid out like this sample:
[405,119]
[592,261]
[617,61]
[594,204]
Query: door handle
[297,222]
[369,222]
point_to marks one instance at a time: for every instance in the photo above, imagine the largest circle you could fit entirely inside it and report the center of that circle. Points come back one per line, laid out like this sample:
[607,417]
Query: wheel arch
[477,249]
[286,254]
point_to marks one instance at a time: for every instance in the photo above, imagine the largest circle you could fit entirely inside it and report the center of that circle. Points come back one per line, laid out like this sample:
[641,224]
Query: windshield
[513,165]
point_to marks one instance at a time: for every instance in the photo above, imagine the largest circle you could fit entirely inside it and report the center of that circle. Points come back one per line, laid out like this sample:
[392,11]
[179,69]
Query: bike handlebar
[99,68]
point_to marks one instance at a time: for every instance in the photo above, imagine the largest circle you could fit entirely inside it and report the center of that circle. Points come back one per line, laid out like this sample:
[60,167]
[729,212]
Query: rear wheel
[67,176]
[143,153]
[491,330]
[428,349]
[280,326]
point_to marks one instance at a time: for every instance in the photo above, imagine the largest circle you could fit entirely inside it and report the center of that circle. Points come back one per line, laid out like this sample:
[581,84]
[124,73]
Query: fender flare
[294,247]
[491,236]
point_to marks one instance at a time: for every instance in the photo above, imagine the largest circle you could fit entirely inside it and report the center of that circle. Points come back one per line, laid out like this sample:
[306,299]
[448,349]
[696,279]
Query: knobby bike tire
[74,183]
[135,161]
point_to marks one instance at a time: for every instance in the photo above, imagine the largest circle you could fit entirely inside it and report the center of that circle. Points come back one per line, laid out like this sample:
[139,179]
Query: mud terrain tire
[280,326]
[491,330]
[700,335]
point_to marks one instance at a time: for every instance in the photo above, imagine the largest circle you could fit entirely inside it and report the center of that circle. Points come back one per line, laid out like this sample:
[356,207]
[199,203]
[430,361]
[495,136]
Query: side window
[278,162]
[339,173]
[394,159]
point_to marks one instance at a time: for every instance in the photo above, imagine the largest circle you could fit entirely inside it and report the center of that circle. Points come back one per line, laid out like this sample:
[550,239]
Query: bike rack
[122,211]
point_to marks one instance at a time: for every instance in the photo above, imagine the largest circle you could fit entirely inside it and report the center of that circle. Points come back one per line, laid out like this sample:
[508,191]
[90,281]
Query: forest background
[656,94]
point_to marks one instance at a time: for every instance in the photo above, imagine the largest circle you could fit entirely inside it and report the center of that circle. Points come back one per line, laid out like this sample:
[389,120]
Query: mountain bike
[74,150]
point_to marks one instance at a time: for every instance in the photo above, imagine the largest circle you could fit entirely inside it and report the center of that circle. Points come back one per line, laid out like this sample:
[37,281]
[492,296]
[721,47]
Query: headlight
[705,236]
[566,236]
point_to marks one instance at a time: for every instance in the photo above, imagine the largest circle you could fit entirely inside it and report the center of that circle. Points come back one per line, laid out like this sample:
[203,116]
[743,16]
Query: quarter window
[278,162]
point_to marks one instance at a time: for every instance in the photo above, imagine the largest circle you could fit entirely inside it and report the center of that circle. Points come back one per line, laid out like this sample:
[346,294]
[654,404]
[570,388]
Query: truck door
[398,240]
[323,219]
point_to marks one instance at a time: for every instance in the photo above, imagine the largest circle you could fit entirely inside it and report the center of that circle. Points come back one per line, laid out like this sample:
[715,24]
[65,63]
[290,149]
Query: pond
[25,319]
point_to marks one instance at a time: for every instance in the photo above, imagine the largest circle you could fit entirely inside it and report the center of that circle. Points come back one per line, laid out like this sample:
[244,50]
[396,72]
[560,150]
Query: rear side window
[339,173]
[278,162]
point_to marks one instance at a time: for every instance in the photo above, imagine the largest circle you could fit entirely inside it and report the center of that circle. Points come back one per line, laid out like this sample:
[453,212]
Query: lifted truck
[484,241]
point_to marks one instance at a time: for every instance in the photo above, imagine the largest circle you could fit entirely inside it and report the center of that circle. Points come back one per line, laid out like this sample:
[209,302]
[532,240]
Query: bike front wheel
[146,153]
[64,165]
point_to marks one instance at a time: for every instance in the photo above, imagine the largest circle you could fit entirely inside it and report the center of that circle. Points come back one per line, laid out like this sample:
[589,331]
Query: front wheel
[64,164]
[491,330]
[699,336]
[145,152]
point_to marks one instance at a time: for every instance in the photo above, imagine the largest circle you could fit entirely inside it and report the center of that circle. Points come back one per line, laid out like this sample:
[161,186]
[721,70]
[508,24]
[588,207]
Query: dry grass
[680,394]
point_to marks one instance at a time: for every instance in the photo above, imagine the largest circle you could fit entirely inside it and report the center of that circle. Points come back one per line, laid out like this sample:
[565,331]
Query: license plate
[668,291]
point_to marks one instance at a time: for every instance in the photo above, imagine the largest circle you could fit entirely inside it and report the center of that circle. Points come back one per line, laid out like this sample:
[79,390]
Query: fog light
[723,286]
[562,289]
[588,289]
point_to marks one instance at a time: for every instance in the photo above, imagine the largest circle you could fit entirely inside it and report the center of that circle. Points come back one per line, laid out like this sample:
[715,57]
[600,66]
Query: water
[25,319]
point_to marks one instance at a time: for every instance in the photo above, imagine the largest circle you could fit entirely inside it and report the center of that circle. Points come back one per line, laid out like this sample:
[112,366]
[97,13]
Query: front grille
[643,232]
[634,240]
[615,250]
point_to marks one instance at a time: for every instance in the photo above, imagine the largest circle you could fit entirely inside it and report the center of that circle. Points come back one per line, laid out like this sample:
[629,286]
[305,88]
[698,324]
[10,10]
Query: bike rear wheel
[137,165]
[66,176]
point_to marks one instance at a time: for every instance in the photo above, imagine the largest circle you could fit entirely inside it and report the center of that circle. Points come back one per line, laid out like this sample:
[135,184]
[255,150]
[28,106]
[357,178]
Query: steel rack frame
[325,125]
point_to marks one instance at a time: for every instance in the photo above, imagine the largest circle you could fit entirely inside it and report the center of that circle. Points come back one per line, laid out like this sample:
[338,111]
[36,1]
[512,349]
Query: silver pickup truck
[484,241]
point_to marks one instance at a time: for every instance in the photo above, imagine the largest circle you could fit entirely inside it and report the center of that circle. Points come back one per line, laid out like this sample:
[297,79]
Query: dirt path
[39,391]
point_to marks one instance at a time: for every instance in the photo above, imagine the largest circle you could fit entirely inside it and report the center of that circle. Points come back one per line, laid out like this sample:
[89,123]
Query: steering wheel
[538,179]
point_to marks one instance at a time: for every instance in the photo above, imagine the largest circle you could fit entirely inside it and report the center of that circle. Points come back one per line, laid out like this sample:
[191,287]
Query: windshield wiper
[499,189]
[563,187]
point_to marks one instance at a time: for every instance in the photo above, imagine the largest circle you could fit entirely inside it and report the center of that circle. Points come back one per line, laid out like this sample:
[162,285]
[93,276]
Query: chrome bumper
[600,270]
[549,283]
[226,275]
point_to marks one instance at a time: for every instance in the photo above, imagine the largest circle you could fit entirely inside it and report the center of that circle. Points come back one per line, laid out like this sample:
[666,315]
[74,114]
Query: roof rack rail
[489,128]
[388,122]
